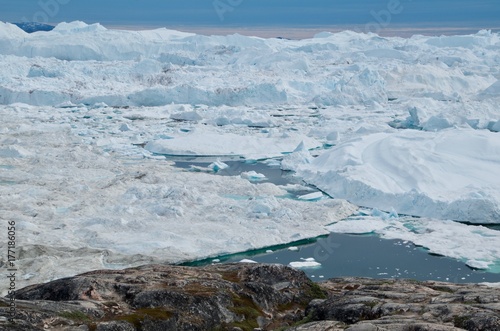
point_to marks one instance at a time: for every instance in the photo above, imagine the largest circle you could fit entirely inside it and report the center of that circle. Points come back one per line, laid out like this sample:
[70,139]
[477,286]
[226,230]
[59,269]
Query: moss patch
[76,315]
[371,304]
[316,292]
[155,314]
[442,289]
[305,320]
[230,276]
[245,307]
[461,321]
[199,290]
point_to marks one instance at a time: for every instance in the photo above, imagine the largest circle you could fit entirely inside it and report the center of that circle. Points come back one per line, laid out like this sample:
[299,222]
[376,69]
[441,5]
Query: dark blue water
[344,255]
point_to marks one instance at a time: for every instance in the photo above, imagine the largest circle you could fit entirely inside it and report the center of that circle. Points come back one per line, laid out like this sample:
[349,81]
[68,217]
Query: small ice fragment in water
[478,264]
[393,214]
[253,176]
[218,165]
[247,261]
[311,196]
[305,263]
[293,248]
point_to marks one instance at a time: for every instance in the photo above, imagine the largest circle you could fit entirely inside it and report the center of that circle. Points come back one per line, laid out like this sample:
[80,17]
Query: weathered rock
[162,297]
[320,326]
[405,305]
[241,297]
[115,326]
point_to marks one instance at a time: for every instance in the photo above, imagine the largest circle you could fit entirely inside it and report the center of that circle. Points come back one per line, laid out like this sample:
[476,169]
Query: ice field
[92,118]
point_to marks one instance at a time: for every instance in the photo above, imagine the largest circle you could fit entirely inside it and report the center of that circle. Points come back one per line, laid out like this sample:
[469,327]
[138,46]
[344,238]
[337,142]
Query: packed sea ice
[91,118]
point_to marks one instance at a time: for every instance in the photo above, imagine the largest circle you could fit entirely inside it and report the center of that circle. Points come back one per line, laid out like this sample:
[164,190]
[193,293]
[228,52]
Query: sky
[290,13]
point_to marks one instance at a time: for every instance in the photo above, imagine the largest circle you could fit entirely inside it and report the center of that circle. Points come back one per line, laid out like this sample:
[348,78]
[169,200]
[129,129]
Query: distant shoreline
[309,32]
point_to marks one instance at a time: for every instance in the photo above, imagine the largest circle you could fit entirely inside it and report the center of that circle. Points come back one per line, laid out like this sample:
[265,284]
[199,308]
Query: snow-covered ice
[91,117]
[228,144]
[311,196]
[449,174]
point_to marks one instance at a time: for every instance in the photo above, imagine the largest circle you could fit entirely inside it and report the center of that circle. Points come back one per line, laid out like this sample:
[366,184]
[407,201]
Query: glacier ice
[447,174]
[91,118]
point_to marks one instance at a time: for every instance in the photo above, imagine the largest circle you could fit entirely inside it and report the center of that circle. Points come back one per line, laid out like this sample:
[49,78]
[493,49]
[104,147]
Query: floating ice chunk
[188,116]
[248,261]
[478,264]
[218,165]
[308,263]
[311,196]
[272,162]
[293,248]
[252,118]
[384,215]
[393,213]
[366,225]
[300,156]
[253,176]
[210,144]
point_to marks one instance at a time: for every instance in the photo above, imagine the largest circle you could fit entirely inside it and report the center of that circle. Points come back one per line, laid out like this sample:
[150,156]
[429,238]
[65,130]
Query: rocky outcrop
[406,305]
[247,297]
[162,297]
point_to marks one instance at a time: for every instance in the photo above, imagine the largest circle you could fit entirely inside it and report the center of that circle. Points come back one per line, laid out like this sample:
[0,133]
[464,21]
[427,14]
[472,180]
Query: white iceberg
[445,175]
[308,263]
[211,144]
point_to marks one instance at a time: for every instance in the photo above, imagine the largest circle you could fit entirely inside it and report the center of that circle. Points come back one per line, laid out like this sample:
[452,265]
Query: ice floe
[446,174]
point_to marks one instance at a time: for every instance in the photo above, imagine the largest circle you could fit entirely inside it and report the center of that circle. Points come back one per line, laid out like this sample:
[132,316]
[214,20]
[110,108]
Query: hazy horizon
[379,16]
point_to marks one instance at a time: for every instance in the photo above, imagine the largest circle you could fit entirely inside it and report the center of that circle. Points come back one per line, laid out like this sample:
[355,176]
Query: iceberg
[445,175]
[308,263]
[93,119]
[228,144]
